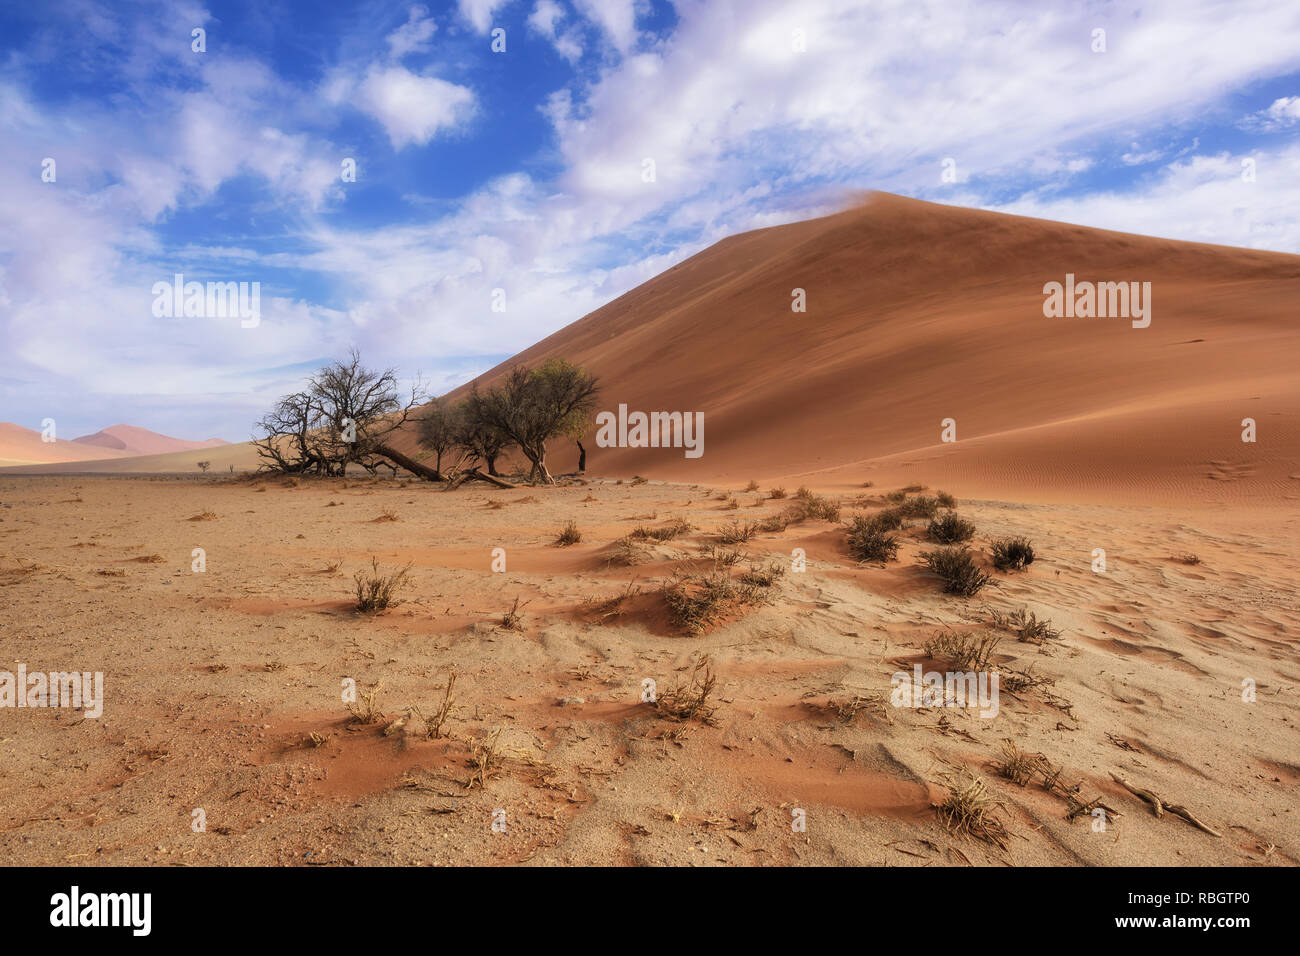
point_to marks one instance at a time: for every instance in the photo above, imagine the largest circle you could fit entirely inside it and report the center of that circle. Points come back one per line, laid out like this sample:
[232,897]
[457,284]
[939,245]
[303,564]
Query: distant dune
[141,441]
[917,313]
[24,446]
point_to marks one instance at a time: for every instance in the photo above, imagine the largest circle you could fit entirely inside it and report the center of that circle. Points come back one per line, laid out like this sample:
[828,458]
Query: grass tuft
[1012,554]
[569,535]
[958,570]
[965,652]
[377,591]
[868,541]
[950,528]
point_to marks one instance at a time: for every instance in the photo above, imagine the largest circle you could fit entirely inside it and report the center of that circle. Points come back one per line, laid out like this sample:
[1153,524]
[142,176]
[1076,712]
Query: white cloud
[413,108]
[1281,114]
[544,20]
[1135,157]
[414,35]
[615,18]
[479,13]
[545,16]
[1201,199]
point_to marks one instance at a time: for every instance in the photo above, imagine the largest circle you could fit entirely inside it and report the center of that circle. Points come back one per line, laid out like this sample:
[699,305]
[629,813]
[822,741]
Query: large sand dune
[918,312]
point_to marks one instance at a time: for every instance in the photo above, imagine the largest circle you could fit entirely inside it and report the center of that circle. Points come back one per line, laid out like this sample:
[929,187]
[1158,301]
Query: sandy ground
[216,682]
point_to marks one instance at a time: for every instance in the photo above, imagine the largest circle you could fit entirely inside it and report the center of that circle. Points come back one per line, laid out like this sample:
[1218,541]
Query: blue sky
[524,170]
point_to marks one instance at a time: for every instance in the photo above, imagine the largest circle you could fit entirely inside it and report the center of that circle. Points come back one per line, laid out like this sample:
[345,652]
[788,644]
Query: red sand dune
[917,312]
[19,445]
[140,441]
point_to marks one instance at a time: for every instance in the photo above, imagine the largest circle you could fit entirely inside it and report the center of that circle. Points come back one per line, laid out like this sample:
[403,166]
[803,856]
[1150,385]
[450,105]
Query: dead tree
[346,414]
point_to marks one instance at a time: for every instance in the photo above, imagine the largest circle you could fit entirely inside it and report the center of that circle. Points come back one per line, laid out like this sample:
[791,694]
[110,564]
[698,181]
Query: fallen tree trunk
[473,474]
[410,464]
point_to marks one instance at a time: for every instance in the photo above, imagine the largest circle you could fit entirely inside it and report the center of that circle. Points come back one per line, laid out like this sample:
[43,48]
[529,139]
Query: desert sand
[223,685]
[216,682]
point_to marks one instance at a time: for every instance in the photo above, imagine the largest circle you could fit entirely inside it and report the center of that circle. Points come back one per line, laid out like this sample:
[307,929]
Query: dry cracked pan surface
[223,689]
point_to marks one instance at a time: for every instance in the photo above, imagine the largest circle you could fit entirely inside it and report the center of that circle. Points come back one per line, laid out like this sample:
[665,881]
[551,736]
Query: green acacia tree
[533,406]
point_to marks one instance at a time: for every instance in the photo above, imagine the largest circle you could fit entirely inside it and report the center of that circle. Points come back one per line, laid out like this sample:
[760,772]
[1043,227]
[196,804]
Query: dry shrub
[957,569]
[698,601]
[776,493]
[869,542]
[887,519]
[377,591]
[1026,626]
[1016,765]
[807,505]
[965,652]
[922,506]
[774,524]
[513,619]
[722,557]
[690,700]
[366,712]
[1012,554]
[673,529]
[752,486]
[484,759]
[569,535]
[627,552]
[613,607]
[950,528]
[203,516]
[969,811]
[737,532]
[388,514]
[433,725]
[762,576]
[1016,681]
[846,711]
